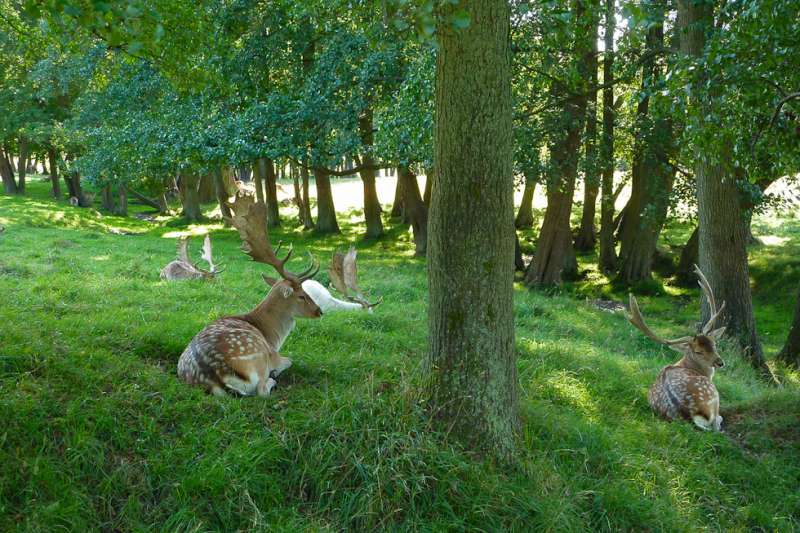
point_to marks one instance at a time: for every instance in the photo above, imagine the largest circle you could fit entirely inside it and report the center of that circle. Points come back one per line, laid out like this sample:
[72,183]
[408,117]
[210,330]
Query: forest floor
[98,434]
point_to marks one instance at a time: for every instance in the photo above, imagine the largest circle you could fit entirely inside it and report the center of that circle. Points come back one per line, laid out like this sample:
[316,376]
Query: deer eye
[303,298]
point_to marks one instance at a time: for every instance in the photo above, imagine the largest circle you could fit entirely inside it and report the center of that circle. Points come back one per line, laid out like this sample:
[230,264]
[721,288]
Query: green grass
[98,434]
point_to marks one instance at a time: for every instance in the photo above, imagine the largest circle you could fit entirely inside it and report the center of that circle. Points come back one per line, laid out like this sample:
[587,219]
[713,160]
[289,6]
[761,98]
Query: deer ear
[679,347]
[268,280]
[717,333]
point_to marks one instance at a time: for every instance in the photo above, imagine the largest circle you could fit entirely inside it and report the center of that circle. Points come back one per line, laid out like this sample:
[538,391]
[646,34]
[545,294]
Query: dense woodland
[689,110]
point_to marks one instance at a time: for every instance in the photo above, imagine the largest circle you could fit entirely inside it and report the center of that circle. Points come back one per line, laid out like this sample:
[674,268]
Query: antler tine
[336,272]
[635,317]
[312,269]
[206,254]
[183,249]
[709,294]
[250,220]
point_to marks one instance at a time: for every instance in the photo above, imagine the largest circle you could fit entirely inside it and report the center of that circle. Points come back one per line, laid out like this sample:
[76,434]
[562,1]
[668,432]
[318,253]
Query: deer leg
[265,387]
[283,364]
[239,385]
[718,423]
[702,422]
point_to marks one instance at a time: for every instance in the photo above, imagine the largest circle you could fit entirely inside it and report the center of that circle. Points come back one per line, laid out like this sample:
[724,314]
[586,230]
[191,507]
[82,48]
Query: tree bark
[266,168]
[298,195]
[222,196]
[7,173]
[207,190]
[398,210]
[426,196]
[259,182]
[554,258]
[473,382]
[524,217]
[52,155]
[122,195]
[326,212]
[308,222]
[155,204]
[415,209]
[372,206]
[790,354]
[22,164]
[689,257]
[608,255]
[190,196]
[722,231]
[586,239]
[652,175]
[107,199]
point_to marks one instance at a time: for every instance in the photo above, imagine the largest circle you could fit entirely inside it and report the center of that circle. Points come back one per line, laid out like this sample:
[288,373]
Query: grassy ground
[98,434]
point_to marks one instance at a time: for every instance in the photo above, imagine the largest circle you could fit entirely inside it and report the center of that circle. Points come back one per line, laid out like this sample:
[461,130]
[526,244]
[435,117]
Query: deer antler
[250,219]
[635,317]
[344,277]
[183,249]
[715,313]
[206,255]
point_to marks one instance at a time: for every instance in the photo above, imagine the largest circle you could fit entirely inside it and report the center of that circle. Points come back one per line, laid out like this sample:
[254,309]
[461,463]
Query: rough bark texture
[52,156]
[7,173]
[722,230]
[790,354]
[689,257]
[267,170]
[525,214]
[107,199]
[298,195]
[326,212]
[207,190]
[554,258]
[190,197]
[222,195]
[652,175]
[258,181]
[586,239]
[473,382]
[308,222]
[426,196]
[608,254]
[22,165]
[372,206]
[397,207]
[415,209]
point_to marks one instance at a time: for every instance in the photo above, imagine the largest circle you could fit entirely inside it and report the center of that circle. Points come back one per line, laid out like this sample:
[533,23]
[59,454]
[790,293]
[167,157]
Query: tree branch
[775,115]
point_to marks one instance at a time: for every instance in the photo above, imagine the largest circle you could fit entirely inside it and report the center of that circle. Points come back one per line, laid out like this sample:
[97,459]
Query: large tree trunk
[608,254]
[689,257]
[190,196]
[22,164]
[298,195]
[326,212]
[258,182]
[308,222]
[525,214]
[586,239]
[426,196]
[473,382]
[398,208]
[222,196]
[7,173]
[267,170]
[722,231]
[372,206]
[107,199]
[790,354]
[652,175]
[554,258]
[160,203]
[415,209]
[52,155]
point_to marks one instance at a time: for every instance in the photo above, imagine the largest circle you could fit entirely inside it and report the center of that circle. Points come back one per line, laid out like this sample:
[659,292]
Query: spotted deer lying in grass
[182,268]
[344,278]
[240,354]
[684,389]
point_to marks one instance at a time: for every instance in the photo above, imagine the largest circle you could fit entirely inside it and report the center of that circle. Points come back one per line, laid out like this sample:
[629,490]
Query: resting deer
[239,354]
[344,273]
[182,268]
[684,390]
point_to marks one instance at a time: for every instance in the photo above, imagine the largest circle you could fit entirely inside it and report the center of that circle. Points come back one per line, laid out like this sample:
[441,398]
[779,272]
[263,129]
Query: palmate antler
[344,277]
[250,220]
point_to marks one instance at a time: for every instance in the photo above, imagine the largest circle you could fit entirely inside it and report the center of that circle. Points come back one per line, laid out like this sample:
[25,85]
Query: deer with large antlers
[684,389]
[182,268]
[344,278]
[240,354]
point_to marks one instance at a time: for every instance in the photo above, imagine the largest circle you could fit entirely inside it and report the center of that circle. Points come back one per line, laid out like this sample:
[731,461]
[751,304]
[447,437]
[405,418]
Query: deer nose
[719,362]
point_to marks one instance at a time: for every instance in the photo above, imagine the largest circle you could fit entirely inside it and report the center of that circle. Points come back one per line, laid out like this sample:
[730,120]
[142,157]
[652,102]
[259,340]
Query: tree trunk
[689,257]
[722,231]
[415,209]
[222,196]
[426,196]
[7,173]
[107,199]
[298,195]
[326,212]
[372,206]
[473,381]
[308,222]
[189,185]
[266,168]
[22,163]
[207,190]
[525,214]
[52,155]
[398,210]
[155,204]
[790,354]
[586,239]
[608,254]
[259,182]
[652,175]
[122,194]
[519,262]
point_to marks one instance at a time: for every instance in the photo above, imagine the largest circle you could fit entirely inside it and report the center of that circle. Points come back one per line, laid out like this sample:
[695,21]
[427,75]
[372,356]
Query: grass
[98,434]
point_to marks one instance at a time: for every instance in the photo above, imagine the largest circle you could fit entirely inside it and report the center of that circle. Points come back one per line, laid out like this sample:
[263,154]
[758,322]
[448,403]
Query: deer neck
[273,318]
[690,363]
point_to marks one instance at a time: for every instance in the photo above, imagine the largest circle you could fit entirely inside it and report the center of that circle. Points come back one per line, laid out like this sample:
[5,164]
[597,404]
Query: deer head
[700,348]
[183,268]
[250,220]
[344,278]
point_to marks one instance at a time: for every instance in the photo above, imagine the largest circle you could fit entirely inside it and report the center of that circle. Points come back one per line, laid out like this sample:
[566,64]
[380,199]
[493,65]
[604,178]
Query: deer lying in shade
[684,389]
[240,354]
[182,268]
[344,278]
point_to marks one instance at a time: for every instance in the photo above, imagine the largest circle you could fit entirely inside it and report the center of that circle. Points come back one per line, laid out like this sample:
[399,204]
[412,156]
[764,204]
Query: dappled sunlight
[773,240]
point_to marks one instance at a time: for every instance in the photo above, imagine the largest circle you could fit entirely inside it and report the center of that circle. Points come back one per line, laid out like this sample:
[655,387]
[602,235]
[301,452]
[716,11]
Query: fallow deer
[343,273]
[239,354]
[182,268]
[684,389]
